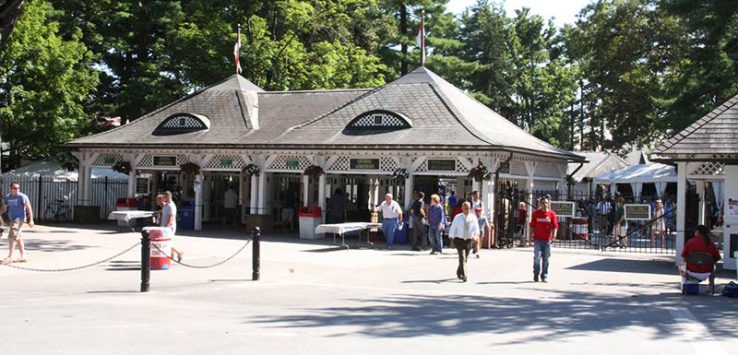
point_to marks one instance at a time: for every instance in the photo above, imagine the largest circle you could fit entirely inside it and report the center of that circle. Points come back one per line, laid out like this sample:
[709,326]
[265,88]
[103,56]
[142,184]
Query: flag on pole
[236,50]
[420,40]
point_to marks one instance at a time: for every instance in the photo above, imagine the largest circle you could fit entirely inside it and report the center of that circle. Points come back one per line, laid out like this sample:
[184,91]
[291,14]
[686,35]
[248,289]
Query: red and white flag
[420,40]
[236,51]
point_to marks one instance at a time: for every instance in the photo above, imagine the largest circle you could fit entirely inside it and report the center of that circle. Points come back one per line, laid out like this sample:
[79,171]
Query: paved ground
[314,299]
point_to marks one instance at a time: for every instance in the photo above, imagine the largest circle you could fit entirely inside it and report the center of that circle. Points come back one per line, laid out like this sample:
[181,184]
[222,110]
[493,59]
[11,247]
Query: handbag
[730,290]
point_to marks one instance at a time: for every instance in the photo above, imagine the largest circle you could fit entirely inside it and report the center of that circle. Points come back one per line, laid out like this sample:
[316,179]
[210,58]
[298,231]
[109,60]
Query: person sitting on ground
[700,243]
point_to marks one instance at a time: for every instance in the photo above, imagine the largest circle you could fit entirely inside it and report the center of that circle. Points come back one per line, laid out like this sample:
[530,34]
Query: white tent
[49,168]
[638,174]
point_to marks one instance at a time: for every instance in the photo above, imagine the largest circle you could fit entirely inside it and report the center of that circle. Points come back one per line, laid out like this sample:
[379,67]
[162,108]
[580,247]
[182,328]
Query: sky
[563,11]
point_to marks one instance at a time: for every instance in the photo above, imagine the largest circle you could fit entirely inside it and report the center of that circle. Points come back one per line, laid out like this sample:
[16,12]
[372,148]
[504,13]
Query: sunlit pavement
[314,298]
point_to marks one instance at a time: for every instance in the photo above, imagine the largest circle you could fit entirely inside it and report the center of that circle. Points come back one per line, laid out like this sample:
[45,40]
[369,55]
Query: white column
[681,209]
[409,190]
[321,195]
[530,167]
[132,182]
[88,184]
[198,200]
[81,182]
[305,191]
[730,225]
[489,198]
[700,185]
[254,195]
[261,206]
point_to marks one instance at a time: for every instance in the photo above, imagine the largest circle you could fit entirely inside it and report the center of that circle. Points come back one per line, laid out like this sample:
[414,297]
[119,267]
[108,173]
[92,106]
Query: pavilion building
[359,140]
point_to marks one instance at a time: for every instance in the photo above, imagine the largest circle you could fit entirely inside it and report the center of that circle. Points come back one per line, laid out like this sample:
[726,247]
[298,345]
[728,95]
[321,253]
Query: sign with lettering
[109,160]
[364,164]
[563,208]
[293,164]
[168,160]
[504,167]
[226,162]
[142,186]
[637,212]
[441,165]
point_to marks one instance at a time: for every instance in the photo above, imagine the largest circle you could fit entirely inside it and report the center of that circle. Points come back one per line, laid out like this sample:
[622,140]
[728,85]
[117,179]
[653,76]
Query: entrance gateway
[292,149]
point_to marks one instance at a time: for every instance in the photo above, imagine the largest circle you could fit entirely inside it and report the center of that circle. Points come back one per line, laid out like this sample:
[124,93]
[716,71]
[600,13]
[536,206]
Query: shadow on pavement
[429,281]
[631,266]
[123,265]
[562,316]
[52,245]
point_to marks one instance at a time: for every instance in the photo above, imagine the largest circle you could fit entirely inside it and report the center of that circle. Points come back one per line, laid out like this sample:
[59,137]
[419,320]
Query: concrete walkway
[315,299]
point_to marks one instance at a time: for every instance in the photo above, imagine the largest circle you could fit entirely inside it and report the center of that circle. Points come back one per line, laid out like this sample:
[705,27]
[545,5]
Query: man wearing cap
[19,209]
[391,216]
[464,231]
[543,226]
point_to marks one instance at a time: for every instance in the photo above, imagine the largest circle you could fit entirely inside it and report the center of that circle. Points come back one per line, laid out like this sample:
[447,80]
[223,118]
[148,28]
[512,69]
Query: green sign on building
[109,160]
[226,162]
[441,165]
[364,164]
[165,160]
[293,163]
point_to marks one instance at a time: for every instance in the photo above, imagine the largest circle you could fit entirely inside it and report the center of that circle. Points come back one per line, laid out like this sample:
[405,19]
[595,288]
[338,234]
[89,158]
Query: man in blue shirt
[19,209]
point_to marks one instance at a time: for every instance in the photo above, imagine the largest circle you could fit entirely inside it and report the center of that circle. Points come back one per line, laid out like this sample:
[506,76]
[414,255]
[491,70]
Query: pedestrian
[464,231]
[520,224]
[169,220]
[604,211]
[19,211]
[484,230]
[621,225]
[658,226]
[543,226]
[337,207]
[417,212]
[391,216]
[476,202]
[457,209]
[159,205]
[451,200]
[230,205]
[436,225]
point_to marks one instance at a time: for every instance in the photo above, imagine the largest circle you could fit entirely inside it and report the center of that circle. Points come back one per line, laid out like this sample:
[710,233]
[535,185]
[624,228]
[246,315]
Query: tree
[45,81]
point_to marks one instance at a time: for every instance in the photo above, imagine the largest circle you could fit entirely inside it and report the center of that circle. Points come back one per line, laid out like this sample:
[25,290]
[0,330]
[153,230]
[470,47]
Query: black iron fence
[54,199]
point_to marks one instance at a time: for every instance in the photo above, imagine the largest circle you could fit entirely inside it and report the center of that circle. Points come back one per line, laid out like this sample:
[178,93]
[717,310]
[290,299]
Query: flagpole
[422,38]
[238,40]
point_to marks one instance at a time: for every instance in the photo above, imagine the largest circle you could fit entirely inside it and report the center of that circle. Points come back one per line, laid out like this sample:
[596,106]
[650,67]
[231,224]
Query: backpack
[730,290]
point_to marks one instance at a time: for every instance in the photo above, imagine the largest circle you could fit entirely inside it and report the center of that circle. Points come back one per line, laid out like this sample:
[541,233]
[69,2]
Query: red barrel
[160,247]
[580,228]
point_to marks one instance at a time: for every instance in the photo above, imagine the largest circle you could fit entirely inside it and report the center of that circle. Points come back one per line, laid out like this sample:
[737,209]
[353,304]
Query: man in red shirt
[701,243]
[543,226]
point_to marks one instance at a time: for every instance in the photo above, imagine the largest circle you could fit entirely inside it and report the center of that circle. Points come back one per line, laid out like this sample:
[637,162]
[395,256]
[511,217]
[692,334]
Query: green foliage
[45,81]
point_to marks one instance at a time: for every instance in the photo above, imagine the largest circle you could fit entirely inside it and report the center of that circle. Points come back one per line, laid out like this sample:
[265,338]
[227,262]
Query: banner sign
[563,208]
[637,212]
[364,164]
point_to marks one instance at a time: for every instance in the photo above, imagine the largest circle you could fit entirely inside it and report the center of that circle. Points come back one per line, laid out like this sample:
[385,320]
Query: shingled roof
[714,135]
[243,115]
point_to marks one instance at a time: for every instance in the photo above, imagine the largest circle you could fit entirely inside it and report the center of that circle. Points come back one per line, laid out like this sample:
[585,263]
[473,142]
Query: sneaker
[543,278]
[476,255]
[463,278]
[389,247]
[535,278]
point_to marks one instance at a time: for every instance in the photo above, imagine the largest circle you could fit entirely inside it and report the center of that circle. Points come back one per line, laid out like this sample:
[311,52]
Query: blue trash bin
[186,216]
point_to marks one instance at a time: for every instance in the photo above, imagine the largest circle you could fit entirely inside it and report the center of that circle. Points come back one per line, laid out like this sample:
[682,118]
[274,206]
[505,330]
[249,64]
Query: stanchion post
[256,241]
[145,261]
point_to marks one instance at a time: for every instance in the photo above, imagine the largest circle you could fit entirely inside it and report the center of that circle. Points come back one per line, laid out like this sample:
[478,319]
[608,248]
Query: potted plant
[251,170]
[189,168]
[123,167]
[313,171]
[400,175]
[480,172]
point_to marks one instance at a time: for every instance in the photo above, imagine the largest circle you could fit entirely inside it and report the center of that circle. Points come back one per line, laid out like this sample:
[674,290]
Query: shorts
[15,229]
[621,231]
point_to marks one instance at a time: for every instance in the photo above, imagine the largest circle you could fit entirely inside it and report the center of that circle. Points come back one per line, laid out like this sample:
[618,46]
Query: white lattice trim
[222,161]
[341,164]
[710,168]
[281,163]
[107,160]
[388,164]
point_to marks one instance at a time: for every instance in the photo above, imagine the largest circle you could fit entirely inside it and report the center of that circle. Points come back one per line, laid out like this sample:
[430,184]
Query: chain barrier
[76,267]
[203,266]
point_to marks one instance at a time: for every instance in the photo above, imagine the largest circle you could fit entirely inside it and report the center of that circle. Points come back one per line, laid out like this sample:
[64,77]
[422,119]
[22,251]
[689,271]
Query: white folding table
[341,228]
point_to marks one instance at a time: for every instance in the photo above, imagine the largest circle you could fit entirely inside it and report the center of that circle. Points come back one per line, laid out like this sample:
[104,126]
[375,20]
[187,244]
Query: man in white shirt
[464,230]
[391,216]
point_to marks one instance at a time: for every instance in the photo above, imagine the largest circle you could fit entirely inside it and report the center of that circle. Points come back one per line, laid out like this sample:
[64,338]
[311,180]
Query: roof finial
[420,41]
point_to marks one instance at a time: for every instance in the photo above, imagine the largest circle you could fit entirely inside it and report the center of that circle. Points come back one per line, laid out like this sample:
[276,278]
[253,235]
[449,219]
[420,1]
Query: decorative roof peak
[235,82]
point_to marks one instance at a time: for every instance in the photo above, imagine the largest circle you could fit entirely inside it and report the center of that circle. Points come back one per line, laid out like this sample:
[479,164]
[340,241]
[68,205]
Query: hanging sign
[142,186]
[109,160]
[441,165]
[364,164]
[563,208]
[168,160]
[226,162]
[637,212]
[504,167]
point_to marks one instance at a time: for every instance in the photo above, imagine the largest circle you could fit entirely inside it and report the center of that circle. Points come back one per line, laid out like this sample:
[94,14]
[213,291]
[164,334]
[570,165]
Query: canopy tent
[49,168]
[639,174]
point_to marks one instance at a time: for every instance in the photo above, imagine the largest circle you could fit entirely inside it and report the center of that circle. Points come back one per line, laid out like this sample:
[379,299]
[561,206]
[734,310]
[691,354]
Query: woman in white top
[658,224]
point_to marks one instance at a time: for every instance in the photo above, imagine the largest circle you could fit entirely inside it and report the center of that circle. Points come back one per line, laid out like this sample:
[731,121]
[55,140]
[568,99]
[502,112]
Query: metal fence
[54,199]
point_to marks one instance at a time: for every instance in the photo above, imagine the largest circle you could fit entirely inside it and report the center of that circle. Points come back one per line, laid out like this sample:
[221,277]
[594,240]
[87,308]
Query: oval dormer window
[379,120]
[182,123]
